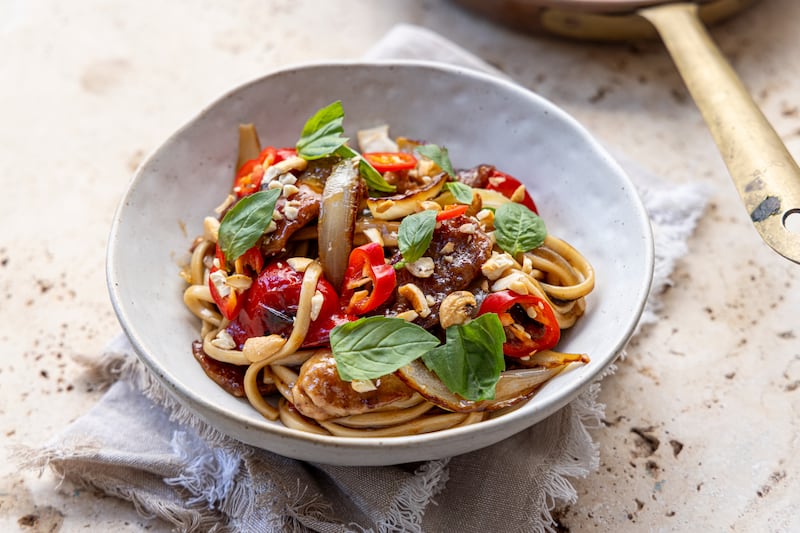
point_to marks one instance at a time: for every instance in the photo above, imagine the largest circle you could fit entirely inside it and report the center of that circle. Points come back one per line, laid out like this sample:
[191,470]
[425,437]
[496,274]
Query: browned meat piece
[320,394]
[458,249]
[404,181]
[476,176]
[229,377]
[296,212]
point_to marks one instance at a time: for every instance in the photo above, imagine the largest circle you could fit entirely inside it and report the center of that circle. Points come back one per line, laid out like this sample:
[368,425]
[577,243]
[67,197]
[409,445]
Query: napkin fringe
[579,457]
[407,509]
[68,463]
[117,364]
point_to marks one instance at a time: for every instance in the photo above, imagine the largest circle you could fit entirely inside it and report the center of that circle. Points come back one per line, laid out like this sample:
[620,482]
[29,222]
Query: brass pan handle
[766,176]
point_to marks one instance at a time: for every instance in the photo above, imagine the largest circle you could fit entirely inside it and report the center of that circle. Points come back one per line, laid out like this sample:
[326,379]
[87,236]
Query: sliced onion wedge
[513,387]
[402,205]
[337,219]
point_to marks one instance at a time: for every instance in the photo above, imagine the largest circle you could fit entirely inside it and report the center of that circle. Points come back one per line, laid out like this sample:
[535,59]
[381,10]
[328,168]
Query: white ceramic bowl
[583,196]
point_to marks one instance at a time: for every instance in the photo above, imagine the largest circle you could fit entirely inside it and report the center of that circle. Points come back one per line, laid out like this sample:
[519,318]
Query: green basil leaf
[372,347]
[517,228]
[322,133]
[460,191]
[372,177]
[470,363]
[439,155]
[242,226]
[415,234]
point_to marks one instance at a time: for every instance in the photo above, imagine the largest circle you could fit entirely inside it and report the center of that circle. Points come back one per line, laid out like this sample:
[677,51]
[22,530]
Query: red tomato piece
[270,306]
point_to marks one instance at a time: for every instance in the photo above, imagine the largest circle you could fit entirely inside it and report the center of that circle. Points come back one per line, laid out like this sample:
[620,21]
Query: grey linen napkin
[138,444]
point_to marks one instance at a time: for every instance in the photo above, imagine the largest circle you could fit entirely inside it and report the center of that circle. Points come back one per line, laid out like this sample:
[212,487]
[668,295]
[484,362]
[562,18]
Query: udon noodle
[278,323]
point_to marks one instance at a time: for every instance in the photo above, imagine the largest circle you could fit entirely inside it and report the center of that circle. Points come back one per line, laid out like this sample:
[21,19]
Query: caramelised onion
[513,387]
[337,219]
[249,145]
[402,205]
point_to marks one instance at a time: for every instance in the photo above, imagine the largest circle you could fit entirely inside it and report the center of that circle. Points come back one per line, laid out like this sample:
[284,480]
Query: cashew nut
[414,294]
[456,308]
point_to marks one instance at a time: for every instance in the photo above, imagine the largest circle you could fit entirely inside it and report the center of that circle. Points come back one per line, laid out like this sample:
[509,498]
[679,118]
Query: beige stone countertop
[702,417]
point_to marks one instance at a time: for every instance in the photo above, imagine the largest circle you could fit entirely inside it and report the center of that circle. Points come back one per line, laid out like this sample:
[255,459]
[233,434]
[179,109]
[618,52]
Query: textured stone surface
[702,415]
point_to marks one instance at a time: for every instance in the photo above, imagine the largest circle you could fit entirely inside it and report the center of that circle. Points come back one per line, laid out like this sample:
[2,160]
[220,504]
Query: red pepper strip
[249,263]
[230,304]
[248,178]
[284,153]
[451,211]
[507,185]
[538,333]
[367,265]
[391,161]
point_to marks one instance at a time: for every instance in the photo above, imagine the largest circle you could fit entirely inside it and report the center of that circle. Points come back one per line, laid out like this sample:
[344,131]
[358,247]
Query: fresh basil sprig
[439,155]
[460,191]
[372,347]
[469,363]
[471,360]
[323,135]
[415,234]
[517,228]
[242,226]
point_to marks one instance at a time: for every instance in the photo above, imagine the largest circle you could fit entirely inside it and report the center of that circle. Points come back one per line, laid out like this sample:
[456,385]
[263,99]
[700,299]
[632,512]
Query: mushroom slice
[457,308]
[401,205]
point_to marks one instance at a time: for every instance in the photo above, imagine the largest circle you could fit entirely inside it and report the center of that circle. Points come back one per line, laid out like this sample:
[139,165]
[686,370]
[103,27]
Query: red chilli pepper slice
[228,301]
[250,263]
[367,267]
[391,161]
[451,211]
[528,321]
[507,185]
[248,178]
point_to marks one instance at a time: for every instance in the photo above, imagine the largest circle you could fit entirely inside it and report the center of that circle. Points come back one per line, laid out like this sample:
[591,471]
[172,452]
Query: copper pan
[766,176]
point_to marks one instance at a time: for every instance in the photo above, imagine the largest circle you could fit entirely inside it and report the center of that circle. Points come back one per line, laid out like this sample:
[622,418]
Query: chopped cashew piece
[316,305]
[518,195]
[219,279]
[456,308]
[430,205]
[239,282]
[408,316]
[421,268]
[259,348]
[516,281]
[223,340]
[413,294]
[291,212]
[496,265]
[282,167]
